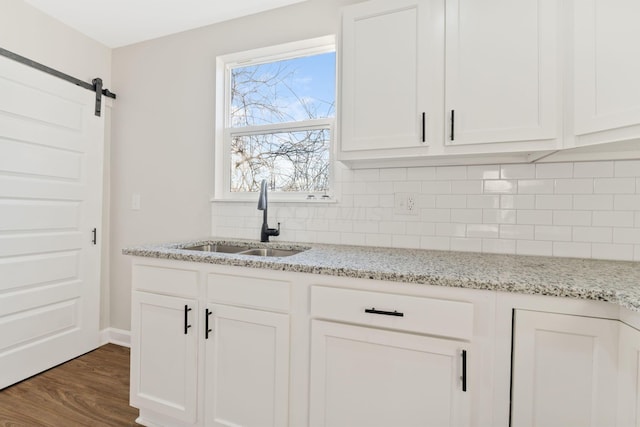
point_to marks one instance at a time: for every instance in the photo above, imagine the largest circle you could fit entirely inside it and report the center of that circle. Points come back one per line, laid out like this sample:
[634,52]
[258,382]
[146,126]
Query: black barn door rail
[94,86]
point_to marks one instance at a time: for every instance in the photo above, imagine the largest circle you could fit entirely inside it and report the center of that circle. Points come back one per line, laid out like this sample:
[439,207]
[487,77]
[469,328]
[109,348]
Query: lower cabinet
[564,370]
[365,377]
[629,377]
[164,355]
[247,367]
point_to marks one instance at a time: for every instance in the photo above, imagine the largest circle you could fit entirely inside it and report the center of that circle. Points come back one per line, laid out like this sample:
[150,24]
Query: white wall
[163,128]
[28,32]
[585,210]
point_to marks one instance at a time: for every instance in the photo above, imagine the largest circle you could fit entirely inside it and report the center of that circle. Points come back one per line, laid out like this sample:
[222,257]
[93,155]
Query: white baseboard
[115,336]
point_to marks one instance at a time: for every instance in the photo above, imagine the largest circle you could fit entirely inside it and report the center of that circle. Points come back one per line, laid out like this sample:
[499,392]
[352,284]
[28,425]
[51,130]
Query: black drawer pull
[372,310]
[464,370]
[187,309]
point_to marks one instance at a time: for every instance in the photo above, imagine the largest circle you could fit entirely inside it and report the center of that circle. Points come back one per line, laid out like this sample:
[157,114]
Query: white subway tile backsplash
[484,230]
[536,217]
[483,172]
[625,168]
[501,186]
[451,172]
[421,174]
[464,244]
[524,201]
[518,171]
[534,247]
[625,235]
[593,234]
[614,185]
[483,201]
[466,187]
[574,186]
[572,249]
[572,217]
[535,186]
[554,170]
[520,232]
[393,174]
[583,209]
[555,202]
[593,170]
[613,219]
[553,233]
[499,216]
[612,251]
[451,201]
[499,246]
[627,203]
[593,203]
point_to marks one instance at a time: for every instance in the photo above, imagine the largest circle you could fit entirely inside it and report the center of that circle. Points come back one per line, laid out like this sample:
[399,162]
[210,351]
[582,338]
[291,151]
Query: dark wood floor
[92,390]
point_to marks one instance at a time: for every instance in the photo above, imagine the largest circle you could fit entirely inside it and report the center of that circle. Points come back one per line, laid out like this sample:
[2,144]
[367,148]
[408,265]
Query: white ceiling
[118,23]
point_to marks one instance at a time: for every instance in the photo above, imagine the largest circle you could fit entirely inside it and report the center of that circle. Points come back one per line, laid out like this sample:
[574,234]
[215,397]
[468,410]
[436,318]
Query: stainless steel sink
[214,247]
[270,252]
[242,250]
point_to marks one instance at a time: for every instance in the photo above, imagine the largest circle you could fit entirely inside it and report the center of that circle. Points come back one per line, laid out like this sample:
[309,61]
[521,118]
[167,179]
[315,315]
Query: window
[275,119]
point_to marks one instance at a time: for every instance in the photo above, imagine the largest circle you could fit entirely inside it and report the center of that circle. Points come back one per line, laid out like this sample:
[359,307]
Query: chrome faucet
[265,231]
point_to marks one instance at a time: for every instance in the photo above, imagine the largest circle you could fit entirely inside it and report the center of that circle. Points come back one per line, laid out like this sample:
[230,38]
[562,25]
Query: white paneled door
[51,151]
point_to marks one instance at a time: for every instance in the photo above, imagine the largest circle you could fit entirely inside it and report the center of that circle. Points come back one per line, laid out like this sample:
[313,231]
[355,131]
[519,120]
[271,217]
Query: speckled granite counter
[613,281]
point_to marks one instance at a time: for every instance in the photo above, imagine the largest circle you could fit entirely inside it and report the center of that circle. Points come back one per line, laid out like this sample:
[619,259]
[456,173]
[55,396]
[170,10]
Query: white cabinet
[457,77]
[564,370]
[629,377]
[502,71]
[370,376]
[247,367]
[365,377]
[164,368]
[607,69]
[386,70]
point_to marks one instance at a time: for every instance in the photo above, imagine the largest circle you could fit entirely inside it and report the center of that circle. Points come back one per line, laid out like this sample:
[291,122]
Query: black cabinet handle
[453,121]
[95,236]
[424,119]
[186,319]
[207,313]
[372,310]
[464,370]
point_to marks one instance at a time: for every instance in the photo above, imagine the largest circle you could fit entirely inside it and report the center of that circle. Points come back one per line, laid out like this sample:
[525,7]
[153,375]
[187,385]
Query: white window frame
[224,133]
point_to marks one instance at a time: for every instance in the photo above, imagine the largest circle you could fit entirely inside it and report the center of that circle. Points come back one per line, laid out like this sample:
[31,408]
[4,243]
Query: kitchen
[160,128]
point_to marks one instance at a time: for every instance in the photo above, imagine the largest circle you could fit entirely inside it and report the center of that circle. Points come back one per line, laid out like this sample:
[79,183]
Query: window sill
[276,200]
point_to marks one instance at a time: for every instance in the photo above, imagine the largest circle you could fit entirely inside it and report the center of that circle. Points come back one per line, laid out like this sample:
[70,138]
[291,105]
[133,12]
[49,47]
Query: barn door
[51,153]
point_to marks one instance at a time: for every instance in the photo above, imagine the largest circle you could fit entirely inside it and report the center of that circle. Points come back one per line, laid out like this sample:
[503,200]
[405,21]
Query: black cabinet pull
[464,370]
[424,119]
[453,121]
[207,313]
[186,319]
[372,310]
[95,236]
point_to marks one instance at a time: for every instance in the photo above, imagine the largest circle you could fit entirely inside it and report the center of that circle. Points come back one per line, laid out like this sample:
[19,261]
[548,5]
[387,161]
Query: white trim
[115,336]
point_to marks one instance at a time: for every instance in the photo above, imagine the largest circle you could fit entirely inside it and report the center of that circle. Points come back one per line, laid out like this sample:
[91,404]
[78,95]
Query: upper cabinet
[386,54]
[463,82]
[607,70]
[501,71]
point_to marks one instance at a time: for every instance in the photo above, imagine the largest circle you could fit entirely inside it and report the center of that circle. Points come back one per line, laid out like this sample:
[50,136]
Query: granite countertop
[613,281]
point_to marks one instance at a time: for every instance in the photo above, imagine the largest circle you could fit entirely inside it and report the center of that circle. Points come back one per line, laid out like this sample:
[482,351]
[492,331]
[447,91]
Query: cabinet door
[501,71]
[364,377]
[164,342]
[629,377]
[247,368]
[384,70]
[607,65]
[564,370]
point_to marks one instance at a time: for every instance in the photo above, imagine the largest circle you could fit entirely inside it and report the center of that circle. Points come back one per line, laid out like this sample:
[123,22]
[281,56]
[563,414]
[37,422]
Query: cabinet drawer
[408,313]
[163,280]
[248,291]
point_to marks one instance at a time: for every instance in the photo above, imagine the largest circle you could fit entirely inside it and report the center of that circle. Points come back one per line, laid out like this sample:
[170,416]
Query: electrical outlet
[406,203]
